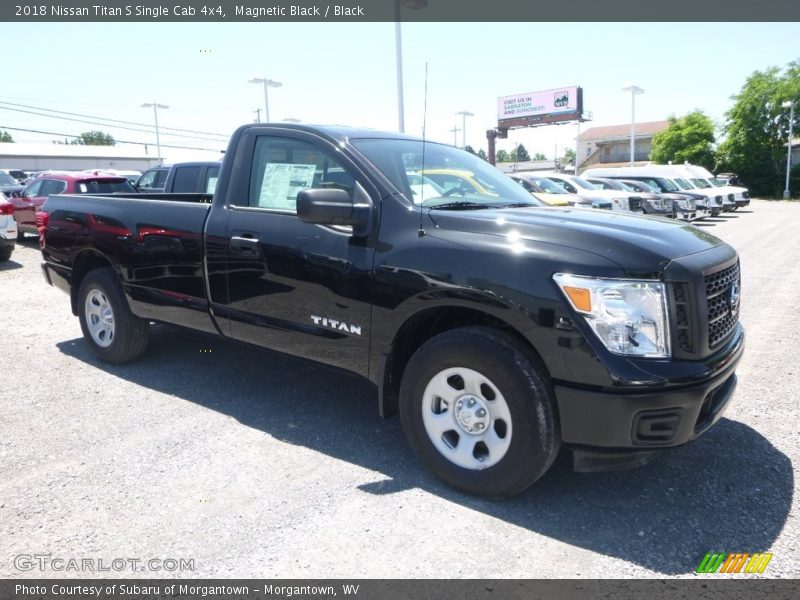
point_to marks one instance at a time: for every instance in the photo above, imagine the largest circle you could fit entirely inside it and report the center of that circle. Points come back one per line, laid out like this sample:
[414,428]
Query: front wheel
[478,410]
[113,332]
[5,253]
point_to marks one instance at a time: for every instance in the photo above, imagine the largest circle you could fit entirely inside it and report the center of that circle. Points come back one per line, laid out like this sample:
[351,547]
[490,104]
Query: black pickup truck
[498,329]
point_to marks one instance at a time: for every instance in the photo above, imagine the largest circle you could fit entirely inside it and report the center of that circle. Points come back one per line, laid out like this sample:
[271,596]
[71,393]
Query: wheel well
[86,262]
[418,330]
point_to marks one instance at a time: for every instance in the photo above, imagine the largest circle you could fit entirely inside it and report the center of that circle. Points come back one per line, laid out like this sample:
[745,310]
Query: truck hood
[641,246]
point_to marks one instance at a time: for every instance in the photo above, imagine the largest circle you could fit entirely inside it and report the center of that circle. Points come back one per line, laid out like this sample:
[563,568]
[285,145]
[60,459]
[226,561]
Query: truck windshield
[7,180]
[701,183]
[433,174]
[684,184]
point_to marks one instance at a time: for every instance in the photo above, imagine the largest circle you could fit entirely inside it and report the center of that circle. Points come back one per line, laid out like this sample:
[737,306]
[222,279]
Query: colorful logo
[734,562]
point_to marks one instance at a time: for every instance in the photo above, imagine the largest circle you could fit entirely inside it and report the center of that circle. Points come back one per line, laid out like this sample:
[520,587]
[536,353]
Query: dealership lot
[246,462]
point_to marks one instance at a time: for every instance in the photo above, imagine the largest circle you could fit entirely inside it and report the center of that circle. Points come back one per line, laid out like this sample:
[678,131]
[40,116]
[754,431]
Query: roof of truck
[339,132]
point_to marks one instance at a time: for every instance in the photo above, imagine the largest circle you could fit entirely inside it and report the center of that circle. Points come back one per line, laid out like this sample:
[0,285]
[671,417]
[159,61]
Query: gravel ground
[255,464]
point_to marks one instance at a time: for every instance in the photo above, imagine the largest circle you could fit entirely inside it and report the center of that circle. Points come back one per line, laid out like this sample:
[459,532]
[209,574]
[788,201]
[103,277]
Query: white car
[8,228]
[620,200]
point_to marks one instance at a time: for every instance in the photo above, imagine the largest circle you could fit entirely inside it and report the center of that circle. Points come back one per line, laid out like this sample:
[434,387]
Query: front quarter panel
[507,278]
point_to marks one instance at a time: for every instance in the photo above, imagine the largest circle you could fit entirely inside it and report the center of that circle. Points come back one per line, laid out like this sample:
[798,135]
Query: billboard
[547,102]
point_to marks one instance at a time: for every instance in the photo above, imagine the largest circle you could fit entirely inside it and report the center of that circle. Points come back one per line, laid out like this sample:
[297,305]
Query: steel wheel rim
[466,418]
[99,318]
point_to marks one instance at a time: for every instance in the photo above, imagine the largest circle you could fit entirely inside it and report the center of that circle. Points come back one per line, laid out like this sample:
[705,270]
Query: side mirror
[327,206]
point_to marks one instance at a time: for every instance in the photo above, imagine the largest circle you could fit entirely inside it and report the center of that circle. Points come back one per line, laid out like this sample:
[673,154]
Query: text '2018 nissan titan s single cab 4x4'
[500,330]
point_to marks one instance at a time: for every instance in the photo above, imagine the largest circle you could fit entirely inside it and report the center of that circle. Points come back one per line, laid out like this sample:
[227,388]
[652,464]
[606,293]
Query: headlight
[629,316]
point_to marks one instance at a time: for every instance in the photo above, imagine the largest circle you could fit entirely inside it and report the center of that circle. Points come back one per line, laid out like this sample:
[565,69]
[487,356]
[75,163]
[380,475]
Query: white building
[42,157]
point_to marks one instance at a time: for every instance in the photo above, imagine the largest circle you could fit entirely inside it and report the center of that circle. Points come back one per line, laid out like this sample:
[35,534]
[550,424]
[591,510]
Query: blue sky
[345,73]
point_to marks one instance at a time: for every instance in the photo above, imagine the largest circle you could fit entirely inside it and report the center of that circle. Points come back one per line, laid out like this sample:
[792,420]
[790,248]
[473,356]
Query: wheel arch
[422,326]
[85,262]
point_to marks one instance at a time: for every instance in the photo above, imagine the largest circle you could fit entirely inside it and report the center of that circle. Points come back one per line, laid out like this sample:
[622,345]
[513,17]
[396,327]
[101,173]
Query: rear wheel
[5,253]
[114,333]
[478,411]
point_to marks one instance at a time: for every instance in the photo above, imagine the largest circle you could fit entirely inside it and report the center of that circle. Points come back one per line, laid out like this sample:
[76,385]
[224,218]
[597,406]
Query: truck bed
[155,241]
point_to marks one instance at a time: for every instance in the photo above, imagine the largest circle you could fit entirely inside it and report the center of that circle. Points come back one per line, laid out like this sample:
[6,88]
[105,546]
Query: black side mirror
[330,206]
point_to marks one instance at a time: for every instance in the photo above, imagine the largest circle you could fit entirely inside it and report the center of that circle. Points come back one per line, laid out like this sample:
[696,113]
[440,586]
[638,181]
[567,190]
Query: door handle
[245,245]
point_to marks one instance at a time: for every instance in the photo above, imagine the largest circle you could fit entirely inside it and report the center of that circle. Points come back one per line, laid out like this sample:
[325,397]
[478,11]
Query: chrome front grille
[723,291]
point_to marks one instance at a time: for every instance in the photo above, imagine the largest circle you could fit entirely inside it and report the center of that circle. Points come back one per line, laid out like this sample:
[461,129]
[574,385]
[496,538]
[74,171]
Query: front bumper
[635,419]
[703,211]
[683,214]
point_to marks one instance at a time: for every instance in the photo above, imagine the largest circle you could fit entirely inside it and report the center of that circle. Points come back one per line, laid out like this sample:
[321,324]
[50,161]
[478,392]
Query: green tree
[539,156]
[569,156]
[757,129]
[522,153]
[6,138]
[469,149]
[94,138]
[686,139]
[502,156]
[482,154]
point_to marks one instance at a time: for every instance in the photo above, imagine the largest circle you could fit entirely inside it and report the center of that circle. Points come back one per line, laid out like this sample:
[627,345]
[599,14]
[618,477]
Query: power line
[109,119]
[69,135]
[38,114]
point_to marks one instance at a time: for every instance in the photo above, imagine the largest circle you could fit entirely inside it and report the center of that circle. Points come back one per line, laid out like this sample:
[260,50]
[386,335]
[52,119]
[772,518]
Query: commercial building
[43,157]
[611,146]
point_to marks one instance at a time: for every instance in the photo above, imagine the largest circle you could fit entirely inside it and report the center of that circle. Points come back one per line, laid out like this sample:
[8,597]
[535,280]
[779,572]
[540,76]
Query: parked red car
[56,182]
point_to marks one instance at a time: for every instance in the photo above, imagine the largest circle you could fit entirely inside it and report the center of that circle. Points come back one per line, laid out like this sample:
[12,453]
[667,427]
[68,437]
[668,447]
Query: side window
[161,178]
[147,179]
[186,180]
[282,167]
[33,189]
[51,187]
[211,180]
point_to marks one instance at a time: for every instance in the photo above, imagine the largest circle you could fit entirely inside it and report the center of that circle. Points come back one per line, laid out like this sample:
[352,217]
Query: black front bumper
[643,420]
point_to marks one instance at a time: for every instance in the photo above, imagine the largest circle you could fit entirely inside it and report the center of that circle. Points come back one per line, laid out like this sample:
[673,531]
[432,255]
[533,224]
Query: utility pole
[455,131]
[258,115]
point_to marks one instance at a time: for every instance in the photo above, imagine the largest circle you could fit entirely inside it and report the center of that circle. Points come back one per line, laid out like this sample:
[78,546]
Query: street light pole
[790,105]
[635,91]
[156,106]
[464,114]
[398,49]
[258,115]
[268,83]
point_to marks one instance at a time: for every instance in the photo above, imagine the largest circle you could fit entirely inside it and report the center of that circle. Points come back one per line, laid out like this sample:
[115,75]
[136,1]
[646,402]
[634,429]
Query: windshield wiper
[516,205]
[459,205]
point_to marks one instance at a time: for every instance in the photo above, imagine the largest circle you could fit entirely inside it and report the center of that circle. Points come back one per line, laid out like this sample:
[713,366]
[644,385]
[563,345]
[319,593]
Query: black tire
[5,253]
[522,383]
[130,333]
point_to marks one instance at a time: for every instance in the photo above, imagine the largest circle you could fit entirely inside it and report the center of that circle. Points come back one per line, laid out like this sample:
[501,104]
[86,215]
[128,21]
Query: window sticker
[281,184]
